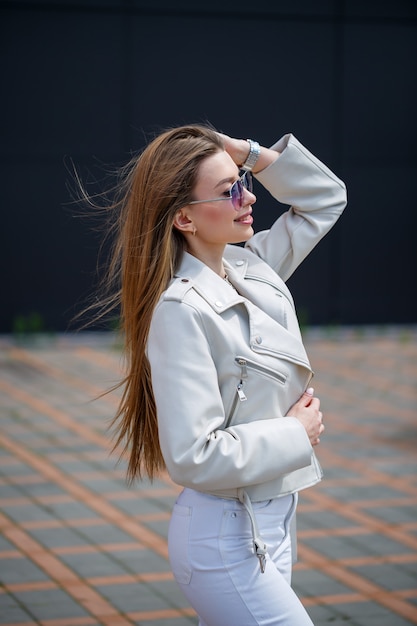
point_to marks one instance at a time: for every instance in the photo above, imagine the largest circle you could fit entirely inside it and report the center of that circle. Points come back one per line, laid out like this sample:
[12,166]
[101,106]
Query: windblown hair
[147,250]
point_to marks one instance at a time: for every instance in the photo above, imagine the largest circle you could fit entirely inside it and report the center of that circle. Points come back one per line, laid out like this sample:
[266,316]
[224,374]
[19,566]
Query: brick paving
[80,548]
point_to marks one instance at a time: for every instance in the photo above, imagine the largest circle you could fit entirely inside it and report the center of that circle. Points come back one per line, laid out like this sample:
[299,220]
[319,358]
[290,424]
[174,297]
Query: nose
[248,196]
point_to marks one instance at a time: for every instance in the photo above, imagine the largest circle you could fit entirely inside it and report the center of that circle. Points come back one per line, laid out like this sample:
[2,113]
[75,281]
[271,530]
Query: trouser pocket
[178,543]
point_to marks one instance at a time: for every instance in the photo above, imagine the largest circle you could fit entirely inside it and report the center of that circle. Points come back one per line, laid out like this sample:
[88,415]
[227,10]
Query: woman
[217,385]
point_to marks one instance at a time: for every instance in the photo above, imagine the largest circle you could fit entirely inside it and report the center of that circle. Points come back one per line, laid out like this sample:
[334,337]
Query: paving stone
[20,570]
[58,537]
[334,547]
[72,466]
[168,591]
[11,612]
[363,512]
[40,490]
[101,485]
[131,597]
[15,468]
[321,615]
[159,526]
[335,472]
[93,564]
[9,491]
[33,512]
[371,614]
[135,506]
[311,583]
[50,604]
[70,510]
[377,544]
[5,545]
[141,561]
[400,514]
[394,576]
[307,521]
[104,534]
[181,621]
[395,468]
[362,492]
[387,619]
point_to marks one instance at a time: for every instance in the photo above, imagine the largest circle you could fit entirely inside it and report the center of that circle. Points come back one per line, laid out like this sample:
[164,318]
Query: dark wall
[89,81]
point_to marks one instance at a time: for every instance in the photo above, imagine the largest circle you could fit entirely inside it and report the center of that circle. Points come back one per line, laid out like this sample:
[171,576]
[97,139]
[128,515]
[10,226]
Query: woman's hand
[239,150]
[307,411]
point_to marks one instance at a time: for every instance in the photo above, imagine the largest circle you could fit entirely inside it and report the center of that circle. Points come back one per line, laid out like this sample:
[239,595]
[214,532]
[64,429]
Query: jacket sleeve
[316,197]
[198,451]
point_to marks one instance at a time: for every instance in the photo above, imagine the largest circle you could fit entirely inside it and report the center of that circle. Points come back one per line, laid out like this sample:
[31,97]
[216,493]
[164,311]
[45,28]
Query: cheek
[217,215]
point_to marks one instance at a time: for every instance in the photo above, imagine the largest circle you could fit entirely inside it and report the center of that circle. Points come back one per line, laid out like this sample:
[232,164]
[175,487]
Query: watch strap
[253,156]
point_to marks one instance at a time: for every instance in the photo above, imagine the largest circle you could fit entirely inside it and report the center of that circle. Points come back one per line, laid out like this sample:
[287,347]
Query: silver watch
[253,156]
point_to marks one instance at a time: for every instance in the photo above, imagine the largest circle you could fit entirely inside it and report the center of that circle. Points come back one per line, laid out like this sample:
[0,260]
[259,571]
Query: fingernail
[310,391]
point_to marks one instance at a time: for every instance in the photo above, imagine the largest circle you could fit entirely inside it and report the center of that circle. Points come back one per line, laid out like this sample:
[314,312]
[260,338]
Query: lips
[246,218]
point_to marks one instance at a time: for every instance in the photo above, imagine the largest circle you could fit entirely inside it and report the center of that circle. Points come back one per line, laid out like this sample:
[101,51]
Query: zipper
[245,363]
[240,392]
[239,397]
[283,355]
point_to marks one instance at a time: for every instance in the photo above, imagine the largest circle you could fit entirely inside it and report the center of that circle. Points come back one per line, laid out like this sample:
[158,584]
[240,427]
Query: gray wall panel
[89,81]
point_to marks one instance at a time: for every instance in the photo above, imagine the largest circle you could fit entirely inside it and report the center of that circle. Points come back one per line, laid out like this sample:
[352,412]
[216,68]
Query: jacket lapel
[267,334]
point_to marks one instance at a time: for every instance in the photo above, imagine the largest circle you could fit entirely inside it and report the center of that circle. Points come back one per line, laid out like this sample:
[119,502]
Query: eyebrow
[229,179]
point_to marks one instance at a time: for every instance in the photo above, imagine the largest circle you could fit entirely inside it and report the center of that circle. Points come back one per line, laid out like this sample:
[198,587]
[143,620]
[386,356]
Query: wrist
[242,150]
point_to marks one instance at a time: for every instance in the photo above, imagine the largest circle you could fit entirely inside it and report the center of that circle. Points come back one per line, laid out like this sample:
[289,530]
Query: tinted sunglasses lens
[237,195]
[247,181]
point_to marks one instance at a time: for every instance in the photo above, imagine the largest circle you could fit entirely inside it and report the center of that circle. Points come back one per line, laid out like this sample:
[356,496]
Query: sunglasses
[235,193]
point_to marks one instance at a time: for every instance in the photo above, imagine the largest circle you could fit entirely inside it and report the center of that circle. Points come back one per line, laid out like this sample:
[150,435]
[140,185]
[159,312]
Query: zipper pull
[242,364]
[240,392]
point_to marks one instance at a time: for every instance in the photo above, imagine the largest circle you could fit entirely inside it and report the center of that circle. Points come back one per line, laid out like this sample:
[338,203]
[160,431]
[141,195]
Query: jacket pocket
[246,365]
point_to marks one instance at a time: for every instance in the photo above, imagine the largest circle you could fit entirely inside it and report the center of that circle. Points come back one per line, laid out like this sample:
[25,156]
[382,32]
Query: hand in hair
[239,150]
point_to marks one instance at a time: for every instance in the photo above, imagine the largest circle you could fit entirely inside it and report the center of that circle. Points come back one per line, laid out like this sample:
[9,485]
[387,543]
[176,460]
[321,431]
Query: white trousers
[213,560]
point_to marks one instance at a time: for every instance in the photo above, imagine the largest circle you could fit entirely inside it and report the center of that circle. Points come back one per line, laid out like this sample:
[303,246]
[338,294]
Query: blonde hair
[146,252]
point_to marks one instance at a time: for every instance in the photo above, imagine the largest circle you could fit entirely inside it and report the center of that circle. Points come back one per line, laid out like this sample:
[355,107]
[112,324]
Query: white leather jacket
[227,364]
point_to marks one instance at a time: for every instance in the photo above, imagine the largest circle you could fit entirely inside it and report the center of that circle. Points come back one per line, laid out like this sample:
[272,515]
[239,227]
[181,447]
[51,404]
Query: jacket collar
[214,289]
[239,263]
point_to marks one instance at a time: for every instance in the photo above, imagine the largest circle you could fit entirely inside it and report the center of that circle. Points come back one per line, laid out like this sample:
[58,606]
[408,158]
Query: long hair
[146,252]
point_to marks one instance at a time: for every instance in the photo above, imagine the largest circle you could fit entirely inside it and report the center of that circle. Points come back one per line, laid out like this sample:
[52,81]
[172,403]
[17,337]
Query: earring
[194,230]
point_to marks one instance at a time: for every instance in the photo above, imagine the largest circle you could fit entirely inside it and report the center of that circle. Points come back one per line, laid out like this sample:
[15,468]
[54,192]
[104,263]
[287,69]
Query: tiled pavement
[80,548]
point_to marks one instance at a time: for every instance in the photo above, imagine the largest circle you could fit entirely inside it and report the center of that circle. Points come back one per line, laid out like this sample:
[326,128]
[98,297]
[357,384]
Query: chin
[242,236]
[245,236]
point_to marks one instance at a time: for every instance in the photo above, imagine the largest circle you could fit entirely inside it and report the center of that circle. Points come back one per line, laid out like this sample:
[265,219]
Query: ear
[182,222]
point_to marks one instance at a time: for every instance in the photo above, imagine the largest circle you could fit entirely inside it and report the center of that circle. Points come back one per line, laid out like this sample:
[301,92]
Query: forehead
[215,168]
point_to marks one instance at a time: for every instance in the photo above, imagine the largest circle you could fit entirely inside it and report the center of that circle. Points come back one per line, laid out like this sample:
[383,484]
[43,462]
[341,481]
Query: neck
[212,258]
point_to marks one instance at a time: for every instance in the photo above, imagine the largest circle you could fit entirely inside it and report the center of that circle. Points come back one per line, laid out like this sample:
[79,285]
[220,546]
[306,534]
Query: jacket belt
[258,542]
